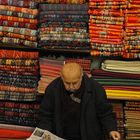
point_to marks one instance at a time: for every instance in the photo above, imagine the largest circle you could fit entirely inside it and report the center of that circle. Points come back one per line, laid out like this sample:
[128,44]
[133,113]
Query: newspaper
[40,134]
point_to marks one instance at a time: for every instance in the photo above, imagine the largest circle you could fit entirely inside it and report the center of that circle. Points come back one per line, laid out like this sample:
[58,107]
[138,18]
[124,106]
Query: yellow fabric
[123,94]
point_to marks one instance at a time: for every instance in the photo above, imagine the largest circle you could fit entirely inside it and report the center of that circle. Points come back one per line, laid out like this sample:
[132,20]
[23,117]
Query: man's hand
[115,135]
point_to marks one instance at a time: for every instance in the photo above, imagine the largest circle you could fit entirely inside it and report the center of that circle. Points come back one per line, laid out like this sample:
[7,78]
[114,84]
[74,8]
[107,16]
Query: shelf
[67,50]
[54,50]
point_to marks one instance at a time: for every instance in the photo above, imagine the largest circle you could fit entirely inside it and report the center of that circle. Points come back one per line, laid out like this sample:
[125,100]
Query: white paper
[40,134]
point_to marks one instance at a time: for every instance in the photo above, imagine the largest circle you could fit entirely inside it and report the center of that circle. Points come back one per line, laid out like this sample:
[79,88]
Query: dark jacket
[96,112]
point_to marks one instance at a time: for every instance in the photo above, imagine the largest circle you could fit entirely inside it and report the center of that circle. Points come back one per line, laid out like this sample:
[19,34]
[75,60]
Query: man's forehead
[71,67]
[71,71]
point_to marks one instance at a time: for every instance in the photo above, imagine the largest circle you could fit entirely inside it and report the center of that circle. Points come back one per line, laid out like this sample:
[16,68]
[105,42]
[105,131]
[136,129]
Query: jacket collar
[88,86]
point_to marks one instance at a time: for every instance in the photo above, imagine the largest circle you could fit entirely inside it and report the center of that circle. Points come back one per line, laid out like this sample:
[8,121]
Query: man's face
[72,84]
[71,75]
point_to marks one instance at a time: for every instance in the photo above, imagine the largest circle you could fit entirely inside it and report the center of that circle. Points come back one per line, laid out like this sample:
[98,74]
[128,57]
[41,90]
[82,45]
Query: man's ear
[82,72]
[61,75]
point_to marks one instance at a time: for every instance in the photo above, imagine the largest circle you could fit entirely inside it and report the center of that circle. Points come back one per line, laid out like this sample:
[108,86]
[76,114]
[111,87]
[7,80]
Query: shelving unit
[74,53]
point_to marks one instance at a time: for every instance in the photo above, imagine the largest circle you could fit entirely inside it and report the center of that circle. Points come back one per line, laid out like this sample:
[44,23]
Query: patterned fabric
[63,7]
[18,96]
[49,70]
[64,24]
[106,30]
[19,113]
[17,54]
[19,42]
[18,9]
[66,29]
[20,36]
[17,24]
[19,62]
[132,31]
[61,1]
[17,14]
[23,31]
[20,3]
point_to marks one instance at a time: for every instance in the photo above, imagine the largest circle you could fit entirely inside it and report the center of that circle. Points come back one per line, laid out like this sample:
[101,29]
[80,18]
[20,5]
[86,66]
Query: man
[75,107]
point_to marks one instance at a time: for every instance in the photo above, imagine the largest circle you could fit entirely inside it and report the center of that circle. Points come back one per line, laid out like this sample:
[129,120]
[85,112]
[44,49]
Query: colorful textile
[20,3]
[61,1]
[6,133]
[63,7]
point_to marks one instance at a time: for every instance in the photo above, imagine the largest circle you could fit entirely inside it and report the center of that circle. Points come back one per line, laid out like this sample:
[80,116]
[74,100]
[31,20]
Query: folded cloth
[121,66]
[7,133]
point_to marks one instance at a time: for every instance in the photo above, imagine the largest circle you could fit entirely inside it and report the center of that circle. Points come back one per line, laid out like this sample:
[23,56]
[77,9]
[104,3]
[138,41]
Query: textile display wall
[132,120]
[63,26]
[103,27]
[18,22]
[18,91]
[106,27]
[49,70]
[132,30]
[121,80]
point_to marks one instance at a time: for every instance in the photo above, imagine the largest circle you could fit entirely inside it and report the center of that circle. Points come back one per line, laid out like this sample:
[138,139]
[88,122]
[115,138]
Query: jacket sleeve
[104,110]
[46,112]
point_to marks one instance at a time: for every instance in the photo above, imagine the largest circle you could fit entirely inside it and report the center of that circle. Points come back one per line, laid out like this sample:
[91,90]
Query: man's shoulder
[90,80]
[91,83]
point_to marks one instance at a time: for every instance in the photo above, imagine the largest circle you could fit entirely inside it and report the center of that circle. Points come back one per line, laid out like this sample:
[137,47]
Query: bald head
[71,73]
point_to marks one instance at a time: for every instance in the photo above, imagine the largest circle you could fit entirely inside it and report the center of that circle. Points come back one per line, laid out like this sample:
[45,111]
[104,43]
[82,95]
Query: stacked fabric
[61,1]
[84,63]
[18,75]
[132,30]
[19,113]
[118,110]
[18,22]
[49,70]
[15,131]
[132,120]
[18,88]
[121,79]
[106,27]
[63,26]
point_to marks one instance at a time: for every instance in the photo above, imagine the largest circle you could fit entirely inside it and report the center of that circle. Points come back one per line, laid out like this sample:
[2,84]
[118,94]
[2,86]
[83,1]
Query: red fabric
[7,133]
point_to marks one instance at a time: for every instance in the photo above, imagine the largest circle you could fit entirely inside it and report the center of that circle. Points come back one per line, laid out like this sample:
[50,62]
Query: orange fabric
[115,27]
[93,31]
[106,41]
[111,3]
[131,47]
[27,20]
[133,11]
[104,29]
[109,22]
[133,6]
[26,37]
[132,24]
[106,18]
[106,12]
[18,54]
[19,9]
[104,36]
[17,89]
[132,19]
